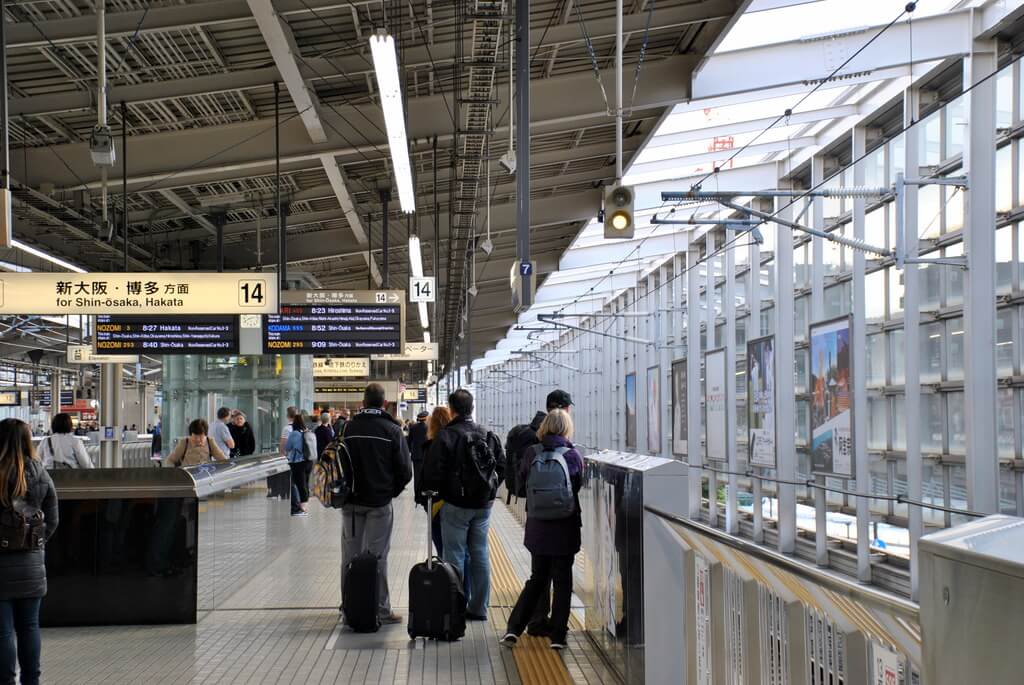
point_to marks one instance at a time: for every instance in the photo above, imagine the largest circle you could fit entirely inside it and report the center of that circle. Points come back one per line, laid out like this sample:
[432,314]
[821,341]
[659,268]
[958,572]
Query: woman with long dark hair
[28,517]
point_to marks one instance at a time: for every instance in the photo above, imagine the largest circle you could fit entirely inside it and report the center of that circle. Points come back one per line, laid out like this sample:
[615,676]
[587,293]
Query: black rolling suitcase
[437,602]
[360,597]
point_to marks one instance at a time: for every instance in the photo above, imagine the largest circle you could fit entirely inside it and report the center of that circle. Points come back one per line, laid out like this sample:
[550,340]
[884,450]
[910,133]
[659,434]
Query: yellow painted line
[536,662]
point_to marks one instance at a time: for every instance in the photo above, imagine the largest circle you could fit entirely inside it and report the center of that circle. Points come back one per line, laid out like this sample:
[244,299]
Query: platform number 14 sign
[421,289]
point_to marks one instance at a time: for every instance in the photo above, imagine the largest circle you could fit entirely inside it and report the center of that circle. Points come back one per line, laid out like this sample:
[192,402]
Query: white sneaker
[509,640]
[301,513]
[558,646]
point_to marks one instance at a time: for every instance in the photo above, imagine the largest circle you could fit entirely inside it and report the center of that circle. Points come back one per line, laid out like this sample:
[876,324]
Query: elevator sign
[181,292]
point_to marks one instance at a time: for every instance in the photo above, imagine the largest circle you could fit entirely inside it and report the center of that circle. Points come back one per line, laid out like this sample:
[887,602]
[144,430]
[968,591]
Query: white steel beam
[807,61]
[337,180]
[694,455]
[189,210]
[982,464]
[859,426]
[686,162]
[911,339]
[750,125]
[281,43]
[784,363]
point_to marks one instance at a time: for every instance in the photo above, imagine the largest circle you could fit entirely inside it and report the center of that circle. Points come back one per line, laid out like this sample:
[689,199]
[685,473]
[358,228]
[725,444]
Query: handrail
[829,579]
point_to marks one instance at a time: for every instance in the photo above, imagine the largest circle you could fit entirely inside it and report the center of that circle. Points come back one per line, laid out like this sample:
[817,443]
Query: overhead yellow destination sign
[137,293]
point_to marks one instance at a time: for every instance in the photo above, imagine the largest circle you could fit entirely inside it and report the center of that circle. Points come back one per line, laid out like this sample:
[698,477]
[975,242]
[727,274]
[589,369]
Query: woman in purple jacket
[553,544]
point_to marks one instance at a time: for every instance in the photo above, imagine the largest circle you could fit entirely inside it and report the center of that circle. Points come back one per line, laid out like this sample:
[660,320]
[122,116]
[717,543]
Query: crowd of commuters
[444,452]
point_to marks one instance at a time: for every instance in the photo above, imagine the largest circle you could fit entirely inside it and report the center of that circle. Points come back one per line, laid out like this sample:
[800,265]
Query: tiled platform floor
[281,626]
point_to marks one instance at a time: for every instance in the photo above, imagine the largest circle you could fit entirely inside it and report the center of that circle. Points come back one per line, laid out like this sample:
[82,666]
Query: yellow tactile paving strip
[536,662]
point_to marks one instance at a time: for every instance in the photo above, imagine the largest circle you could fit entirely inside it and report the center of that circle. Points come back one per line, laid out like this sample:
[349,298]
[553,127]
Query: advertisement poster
[831,401]
[679,426]
[714,404]
[630,411]
[761,402]
[653,410]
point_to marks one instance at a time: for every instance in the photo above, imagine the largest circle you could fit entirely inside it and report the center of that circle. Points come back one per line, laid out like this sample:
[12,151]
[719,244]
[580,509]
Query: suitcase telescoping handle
[430,495]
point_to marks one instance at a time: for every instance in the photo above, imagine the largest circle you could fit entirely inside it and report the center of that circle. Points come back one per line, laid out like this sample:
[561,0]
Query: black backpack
[476,468]
[22,528]
[518,439]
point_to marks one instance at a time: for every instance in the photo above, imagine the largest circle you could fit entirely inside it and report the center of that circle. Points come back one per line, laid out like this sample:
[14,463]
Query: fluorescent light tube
[415,256]
[48,257]
[385,63]
[416,269]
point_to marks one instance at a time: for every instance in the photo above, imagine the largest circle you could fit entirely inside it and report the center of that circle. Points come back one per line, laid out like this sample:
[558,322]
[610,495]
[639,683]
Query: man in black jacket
[465,464]
[382,469]
[417,438]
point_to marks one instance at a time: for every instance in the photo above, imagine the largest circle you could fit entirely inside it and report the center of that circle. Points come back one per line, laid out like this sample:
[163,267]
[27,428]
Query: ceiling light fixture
[385,63]
[48,257]
[416,269]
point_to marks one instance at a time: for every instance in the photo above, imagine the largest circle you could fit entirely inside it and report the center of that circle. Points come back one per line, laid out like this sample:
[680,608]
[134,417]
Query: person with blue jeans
[465,464]
[299,465]
[26,492]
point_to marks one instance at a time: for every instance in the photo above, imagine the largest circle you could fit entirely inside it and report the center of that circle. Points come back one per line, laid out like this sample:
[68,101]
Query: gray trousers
[368,529]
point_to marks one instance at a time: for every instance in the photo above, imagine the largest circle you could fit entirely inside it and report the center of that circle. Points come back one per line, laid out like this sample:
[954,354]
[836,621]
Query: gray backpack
[548,487]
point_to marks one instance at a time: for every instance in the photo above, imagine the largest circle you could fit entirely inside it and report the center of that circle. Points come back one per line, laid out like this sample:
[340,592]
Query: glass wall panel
[1004,98]
[929,278]
[931,352]
[899,423]
[878,423]
[1004,180]
[1004,259]
[954,277]
[955,350]
[874,289]
[876,360]
[955,114]
[929,214]
[1004,342]
[957,422]
[1005,412]
[932,422]
[954,209]
[896,355]
[895,283]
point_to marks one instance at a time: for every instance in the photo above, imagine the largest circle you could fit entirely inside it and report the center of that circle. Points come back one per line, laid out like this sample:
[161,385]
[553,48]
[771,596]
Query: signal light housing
[618,212]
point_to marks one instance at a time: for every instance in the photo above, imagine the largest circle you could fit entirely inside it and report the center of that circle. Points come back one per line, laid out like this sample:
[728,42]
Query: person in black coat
[324,433]
[241,433]
[26,491]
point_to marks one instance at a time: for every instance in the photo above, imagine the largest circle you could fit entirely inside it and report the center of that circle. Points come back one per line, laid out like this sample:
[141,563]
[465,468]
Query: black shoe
[475,617]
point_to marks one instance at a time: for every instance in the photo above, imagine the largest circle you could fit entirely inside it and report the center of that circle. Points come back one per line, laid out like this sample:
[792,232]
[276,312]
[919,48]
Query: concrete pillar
[110,415]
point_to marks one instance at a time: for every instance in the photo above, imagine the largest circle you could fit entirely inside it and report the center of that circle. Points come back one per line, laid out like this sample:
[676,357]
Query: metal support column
[522,105]
[709,293]
[124,178]
[980,290]
[110,415]
[911,342]
[754,331]
[694,456]
[732,523]
[786,408]
[385,197]
[817,313]
[862,468]
[219,220]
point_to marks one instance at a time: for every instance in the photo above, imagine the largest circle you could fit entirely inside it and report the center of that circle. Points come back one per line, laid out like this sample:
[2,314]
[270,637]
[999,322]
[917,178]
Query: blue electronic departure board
[341,323]
[138,334]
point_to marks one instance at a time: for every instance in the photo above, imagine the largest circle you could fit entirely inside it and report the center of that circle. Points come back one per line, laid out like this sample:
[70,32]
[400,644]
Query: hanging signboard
[340,367]
[337,322]
[414,352]
[714,404]
[421,289]
[10,399]
[761,402]
[831,398]
[84,354]
[182,292]
[679,427]
[118,334]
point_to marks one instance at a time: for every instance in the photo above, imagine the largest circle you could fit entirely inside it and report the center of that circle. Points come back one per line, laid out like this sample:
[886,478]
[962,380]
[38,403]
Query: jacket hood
[538,419]
[557,441]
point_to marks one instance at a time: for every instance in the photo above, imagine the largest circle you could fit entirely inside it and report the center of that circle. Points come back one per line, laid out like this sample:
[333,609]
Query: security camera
[508,161]
[473,291]
[487,245]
